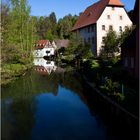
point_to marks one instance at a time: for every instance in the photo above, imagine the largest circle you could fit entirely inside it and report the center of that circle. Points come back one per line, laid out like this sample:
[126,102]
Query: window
[103,27]
[125,62]
[110,27]
[120,17]
[108,16]
[93,40]
[48,62]
[103,38]
[120,28]
[88,29]
[92,28]
[47,52]
[132,62]
[89,40]
[85,40]
[126,27]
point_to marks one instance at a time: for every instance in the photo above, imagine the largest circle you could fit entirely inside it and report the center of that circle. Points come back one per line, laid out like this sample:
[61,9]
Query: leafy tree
[53,21]
[65,25]
[77,49]
[52,18]
[21,31]
[112,42]
[110,45]
[125,34]
[49,35]
[18,36]
[41,27]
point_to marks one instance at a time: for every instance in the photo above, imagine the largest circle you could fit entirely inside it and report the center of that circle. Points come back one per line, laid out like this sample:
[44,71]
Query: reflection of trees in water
[22,107]
[20,110]
[117,122]
[31,84]
[23,110]
[18,118]
[72,81]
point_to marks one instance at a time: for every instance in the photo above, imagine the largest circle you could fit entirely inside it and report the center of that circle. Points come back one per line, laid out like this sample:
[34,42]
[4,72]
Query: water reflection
[43,66]
[56,105]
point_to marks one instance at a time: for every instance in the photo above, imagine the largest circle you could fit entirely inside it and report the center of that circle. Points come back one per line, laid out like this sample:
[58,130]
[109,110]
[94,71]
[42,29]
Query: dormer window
[120,17]
[103,27]
[113,8]
[108,16]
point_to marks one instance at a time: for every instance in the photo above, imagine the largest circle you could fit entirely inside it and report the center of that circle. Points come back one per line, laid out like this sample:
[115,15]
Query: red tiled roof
[41,44]
[41,70]
[93,12]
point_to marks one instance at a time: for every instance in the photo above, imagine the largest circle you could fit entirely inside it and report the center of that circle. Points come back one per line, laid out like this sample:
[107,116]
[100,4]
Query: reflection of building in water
[43,66]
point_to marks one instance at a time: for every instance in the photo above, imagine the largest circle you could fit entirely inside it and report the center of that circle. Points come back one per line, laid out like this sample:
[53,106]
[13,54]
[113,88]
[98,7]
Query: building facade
[130,48]
[44,48]
[94,23]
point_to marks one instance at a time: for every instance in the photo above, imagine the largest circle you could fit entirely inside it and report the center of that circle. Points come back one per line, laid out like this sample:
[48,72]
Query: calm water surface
[49,103]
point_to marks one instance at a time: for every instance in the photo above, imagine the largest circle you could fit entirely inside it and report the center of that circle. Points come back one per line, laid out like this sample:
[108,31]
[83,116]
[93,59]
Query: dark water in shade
[39,106]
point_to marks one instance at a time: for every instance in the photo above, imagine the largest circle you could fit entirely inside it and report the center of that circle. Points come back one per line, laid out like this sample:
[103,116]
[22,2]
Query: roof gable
[93,12]
[115,3]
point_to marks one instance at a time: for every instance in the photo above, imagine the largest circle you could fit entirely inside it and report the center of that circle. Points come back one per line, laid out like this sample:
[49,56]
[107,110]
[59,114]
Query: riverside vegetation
[19,32]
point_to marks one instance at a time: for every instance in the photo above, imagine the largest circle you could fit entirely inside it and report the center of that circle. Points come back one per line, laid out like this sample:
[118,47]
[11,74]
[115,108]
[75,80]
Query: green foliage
[46,25]
[122,37]
[112,42]
[94,64]
[49,35]
[111,88]
[11,71]
[115,59]
[18,37]
[110,45]
[65,25]
[61,29]
[75,41]
[77,49]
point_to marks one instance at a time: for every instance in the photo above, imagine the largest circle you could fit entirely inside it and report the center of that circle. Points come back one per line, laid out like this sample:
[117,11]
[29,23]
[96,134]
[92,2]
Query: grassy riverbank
[10,72]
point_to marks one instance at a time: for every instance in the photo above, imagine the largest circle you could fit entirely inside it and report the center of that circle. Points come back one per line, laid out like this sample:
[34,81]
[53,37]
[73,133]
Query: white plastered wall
[114,20]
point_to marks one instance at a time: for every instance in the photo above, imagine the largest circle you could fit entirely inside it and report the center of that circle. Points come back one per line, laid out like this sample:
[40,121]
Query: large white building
[97,19]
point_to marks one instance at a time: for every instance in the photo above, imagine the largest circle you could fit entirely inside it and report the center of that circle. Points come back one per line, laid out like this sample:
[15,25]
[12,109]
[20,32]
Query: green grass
[10,72]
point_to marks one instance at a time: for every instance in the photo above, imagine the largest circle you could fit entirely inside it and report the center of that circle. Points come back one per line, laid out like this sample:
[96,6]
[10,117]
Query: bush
[94,64]
[111,89]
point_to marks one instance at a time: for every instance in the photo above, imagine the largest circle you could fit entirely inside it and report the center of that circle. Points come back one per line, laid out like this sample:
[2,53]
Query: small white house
[44,48]
[94,23]
[44,66]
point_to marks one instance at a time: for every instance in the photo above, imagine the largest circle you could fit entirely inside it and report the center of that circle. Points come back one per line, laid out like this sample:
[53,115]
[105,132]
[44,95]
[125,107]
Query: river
[53,103]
